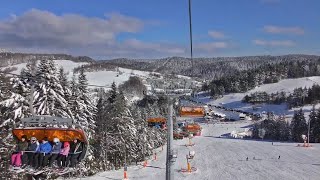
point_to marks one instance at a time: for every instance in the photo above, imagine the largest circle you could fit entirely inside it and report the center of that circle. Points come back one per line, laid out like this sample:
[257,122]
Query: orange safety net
[157,120]
[63,134]
[192,111]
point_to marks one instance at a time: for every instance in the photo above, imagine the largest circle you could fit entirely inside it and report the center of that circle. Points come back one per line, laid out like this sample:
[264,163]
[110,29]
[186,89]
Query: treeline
[281,130]
[299,97]
[205,68]
[269,73]
[9,58]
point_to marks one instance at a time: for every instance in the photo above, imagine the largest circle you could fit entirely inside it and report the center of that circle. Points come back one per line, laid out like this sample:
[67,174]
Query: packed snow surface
[99,78]
[106,78]
[224,158]
[66,64]
[234,100]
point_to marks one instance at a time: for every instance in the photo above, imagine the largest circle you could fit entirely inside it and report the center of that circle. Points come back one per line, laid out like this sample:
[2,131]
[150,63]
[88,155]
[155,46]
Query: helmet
[56,140]
[66,144]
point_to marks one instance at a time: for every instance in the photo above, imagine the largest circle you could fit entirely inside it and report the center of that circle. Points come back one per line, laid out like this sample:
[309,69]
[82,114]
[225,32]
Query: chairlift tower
[170,153]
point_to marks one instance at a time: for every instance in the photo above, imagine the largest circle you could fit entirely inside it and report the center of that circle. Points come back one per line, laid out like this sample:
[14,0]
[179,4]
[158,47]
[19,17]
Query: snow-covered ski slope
[99,78]
[224,159]
[234,100]
[66,64]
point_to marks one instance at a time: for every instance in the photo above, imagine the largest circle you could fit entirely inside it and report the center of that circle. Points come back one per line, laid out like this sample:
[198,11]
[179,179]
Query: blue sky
[159,28]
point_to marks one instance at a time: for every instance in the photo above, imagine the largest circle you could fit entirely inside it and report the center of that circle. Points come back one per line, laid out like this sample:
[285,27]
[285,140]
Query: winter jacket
[45,148]
[76,147]
[56,148]
[34,146]
[65,150]
[22,146]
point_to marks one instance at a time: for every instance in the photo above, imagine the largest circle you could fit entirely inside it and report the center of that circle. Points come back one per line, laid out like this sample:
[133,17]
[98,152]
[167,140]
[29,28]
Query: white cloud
[211,46]
[283,30]
[216,34]
[46,32]
[286,43]
[45,29]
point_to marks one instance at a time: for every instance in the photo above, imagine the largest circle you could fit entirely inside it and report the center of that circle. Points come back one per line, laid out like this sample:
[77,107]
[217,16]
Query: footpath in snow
[222,158]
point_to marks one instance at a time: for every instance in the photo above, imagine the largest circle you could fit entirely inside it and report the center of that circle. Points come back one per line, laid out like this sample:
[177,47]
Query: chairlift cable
[190,34]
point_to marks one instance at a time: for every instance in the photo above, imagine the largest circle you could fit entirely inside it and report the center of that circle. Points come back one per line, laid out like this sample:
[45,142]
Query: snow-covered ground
[106,78]
[66,64]
[223,158]
[234,100]
[99,78]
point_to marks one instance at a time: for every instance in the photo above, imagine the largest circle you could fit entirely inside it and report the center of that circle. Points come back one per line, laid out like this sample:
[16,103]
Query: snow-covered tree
[298,126]
[76,104]
[88,108]
[63,80]
[315,125]
[16,106]
[49,94]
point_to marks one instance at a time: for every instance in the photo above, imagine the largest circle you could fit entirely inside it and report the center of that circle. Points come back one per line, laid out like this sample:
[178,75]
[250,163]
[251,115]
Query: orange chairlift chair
[52,127]
[189,111]
[157,121]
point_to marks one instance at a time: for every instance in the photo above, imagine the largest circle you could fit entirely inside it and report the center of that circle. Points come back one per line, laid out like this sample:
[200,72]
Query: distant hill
[8,58]
[206,68]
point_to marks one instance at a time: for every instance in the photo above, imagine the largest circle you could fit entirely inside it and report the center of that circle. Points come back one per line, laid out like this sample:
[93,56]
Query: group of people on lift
[38,155]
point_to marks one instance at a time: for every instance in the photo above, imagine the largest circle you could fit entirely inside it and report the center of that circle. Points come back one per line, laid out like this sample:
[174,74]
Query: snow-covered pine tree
[124,129]
[313,121]
[113,93]
[298,126]
[143,146]
[102,139]
[315,127]
[88,108]
[17,105]
[49,94]
[283,130]
[76,104]
[62,76]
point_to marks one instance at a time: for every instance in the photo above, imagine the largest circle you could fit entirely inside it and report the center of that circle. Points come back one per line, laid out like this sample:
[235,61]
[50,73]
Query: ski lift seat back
[48,126]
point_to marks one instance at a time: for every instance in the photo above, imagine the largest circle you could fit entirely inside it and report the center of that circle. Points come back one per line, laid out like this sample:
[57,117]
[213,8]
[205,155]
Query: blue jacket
[45,148]
[56,148]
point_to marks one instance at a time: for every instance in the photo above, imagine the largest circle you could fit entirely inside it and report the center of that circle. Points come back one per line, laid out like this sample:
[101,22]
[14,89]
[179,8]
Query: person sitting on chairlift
[75,151]
[31,151]
[44,152]
[62,159]
[55,150]
[19,151]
